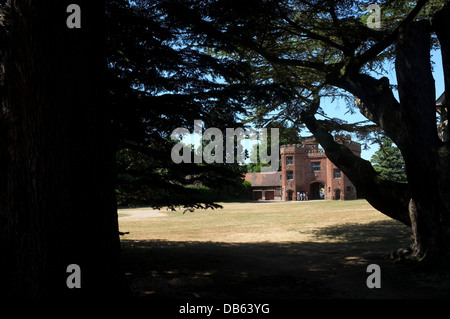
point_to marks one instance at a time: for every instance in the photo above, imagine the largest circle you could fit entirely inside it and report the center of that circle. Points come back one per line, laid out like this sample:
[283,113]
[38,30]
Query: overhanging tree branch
[273,58]
[312,35]
[377,102]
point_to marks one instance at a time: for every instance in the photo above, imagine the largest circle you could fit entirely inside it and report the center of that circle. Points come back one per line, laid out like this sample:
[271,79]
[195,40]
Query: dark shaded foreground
[291,270]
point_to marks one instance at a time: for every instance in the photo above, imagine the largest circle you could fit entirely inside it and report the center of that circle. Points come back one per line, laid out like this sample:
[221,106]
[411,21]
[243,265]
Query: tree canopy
[157,83]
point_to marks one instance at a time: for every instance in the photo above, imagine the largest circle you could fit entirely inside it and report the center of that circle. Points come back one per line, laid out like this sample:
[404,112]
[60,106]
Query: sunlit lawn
[251,222]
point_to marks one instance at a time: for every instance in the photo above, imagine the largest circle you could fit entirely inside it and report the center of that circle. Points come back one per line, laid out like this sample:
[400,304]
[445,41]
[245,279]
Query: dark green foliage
[160,81]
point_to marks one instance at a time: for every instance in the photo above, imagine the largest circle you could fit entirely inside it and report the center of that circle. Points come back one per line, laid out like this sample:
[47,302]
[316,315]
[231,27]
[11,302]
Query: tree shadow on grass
[379,232]
[333,267]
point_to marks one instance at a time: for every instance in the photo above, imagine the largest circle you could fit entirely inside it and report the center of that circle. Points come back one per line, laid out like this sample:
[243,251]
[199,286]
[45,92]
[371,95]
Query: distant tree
[388,161]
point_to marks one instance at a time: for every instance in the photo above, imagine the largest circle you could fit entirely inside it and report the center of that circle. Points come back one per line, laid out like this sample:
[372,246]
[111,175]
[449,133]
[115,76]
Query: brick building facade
[305,169]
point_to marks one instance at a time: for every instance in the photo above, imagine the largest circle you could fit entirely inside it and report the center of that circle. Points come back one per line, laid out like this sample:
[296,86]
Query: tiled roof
[264,179]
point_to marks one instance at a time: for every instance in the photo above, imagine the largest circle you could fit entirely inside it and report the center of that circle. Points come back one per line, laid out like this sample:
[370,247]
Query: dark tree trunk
[390,198]
[426,157]
[60,207]
[411,124]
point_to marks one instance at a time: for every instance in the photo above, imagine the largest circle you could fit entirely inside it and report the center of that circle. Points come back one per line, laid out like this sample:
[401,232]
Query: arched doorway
[337,194]
[317,190]
[289,194]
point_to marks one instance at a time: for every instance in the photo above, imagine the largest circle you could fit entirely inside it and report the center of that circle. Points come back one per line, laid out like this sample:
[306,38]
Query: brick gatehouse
[305,170]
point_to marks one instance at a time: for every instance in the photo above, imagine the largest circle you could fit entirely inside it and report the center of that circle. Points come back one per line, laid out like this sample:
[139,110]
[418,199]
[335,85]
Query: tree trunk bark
[60,207]
[411,124]
[426,157]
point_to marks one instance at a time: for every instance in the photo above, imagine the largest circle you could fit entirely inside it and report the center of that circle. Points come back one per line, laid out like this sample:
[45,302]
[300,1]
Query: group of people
[302,196]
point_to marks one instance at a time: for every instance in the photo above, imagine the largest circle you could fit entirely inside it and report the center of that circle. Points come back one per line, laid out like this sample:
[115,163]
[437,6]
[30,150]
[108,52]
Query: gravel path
[140,213]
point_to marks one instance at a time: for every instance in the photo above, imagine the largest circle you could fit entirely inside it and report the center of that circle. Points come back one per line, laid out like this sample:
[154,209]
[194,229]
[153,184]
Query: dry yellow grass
[248,222]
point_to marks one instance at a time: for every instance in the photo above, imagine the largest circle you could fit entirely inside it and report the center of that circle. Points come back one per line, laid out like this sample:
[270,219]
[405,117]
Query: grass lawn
[253,222]
[285,250]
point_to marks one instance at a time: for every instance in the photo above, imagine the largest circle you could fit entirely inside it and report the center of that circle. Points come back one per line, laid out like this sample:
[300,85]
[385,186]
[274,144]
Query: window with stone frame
[289,160]
[315,166]
[337,173]
[289,175]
